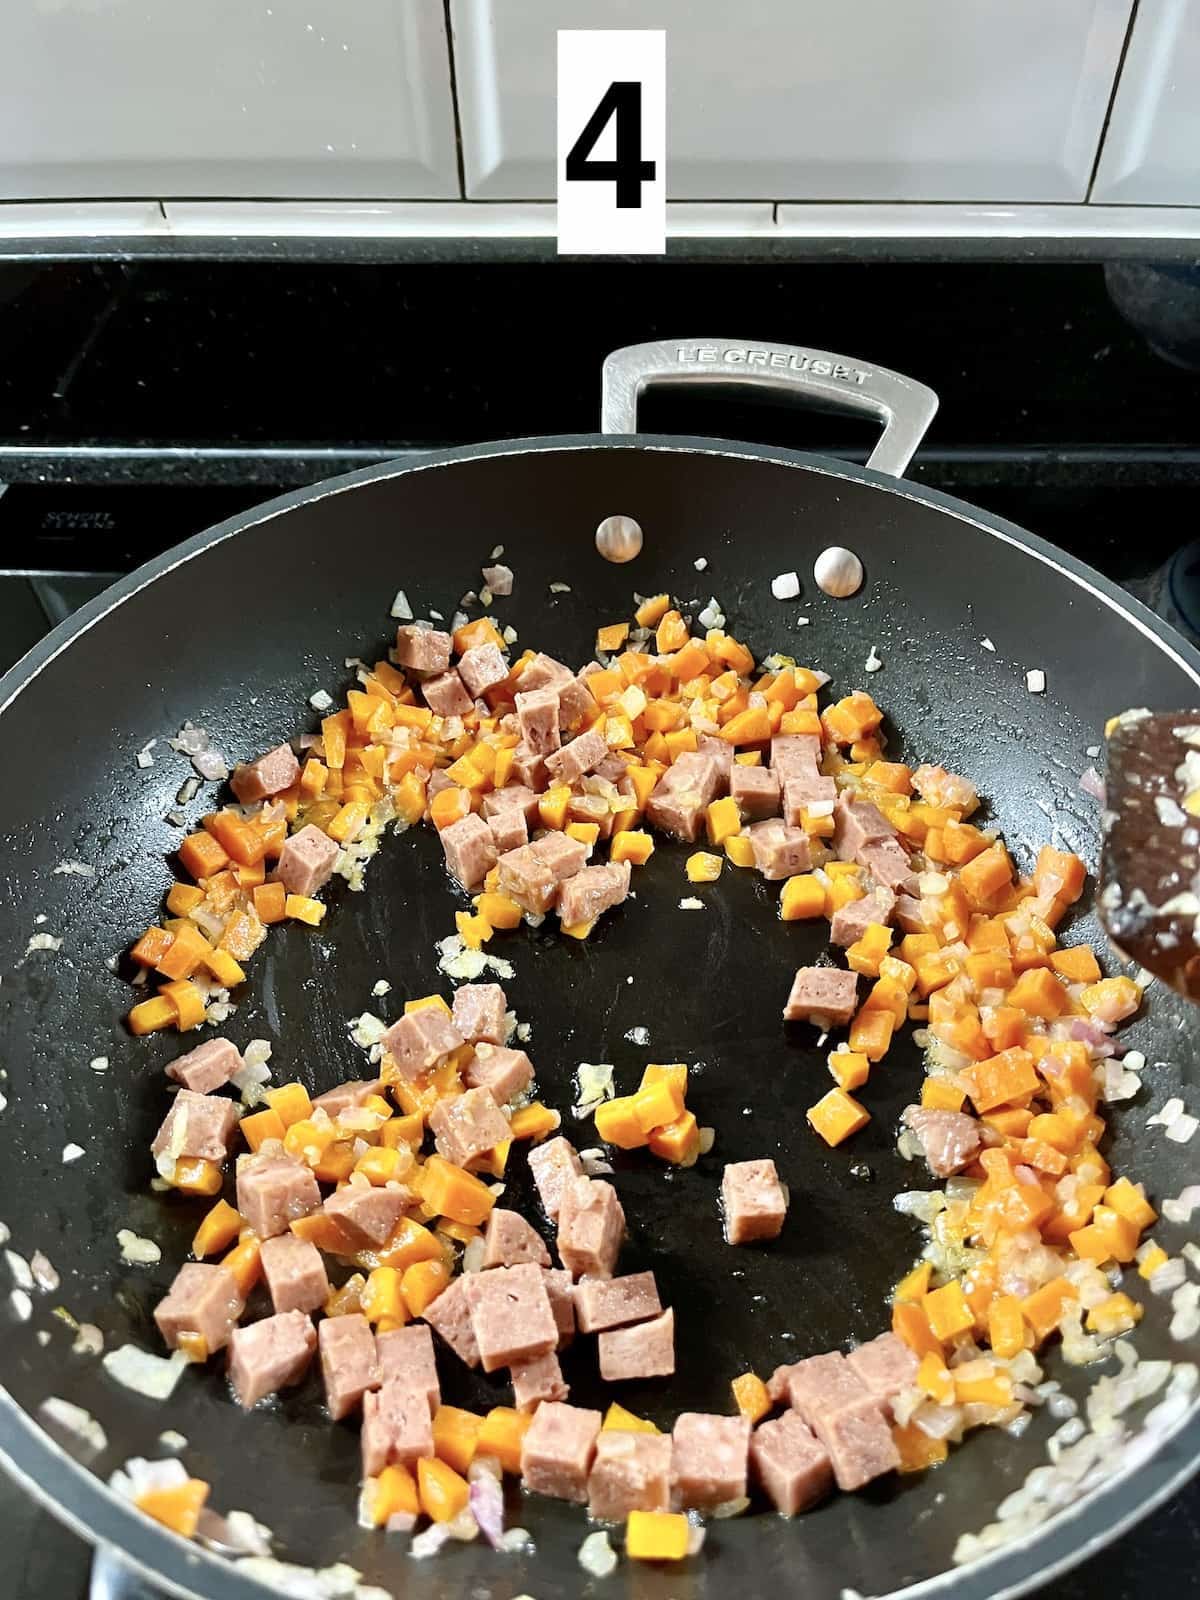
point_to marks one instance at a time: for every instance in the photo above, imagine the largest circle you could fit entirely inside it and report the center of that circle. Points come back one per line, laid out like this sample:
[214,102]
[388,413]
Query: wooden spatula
[1149,899]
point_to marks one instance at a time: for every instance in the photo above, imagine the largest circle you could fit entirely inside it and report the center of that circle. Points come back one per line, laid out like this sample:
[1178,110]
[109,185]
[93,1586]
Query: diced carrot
[871,1032]
[262,1125]
[324,1232]
[917,1450]
[456,1436]
[177,1507]
[987,876]
[449,805]
[1112,999]
[836,1116]
[940,1094]
[750,1396]
[703,867]
[451,1192]
[617,1123]
[657,1535]
[153,946]
[751,726]
[270,901]
[202,855]
[302,908]
[1039,993]
[1077,965]
[187,1001]
[865,954]
[1043,1309]
[227,972]
[1117,1314]
[1129,1201]
[1006,1327]
[849,1069]
[1001,1079]
[244,1261]
[194,1175]
[677,1141]
[152,1016]
[501,1435]
[910,1323]
[935,1379]
[217,1231]
[382,1296]
[187,950]
[948,1312]
[443,1492]
[914,1285]
[1059,875]
[801,899]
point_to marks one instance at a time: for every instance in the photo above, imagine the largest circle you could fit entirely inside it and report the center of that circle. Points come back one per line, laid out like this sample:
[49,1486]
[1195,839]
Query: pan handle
[905,408]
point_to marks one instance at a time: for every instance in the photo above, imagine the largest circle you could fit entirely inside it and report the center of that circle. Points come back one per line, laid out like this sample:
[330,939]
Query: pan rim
[84,1502]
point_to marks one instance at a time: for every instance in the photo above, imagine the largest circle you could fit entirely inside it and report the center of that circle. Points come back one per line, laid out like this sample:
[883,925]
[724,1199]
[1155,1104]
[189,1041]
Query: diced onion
[73,1419]
[597,1556]
[153,1376]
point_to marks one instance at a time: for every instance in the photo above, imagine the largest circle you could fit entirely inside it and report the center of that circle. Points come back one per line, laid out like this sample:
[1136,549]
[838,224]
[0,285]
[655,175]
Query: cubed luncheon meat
[720,752]
[423,649]
[450,1316]
[602,1303]
[479,1012]
[578,757]
[207,1067]
[253,781]
[553,1165]
[851,921]
[538,1380]
[508,829]
[909,916]
[710,1459]
[482,668]
[270,1355]
[888,863]
[779,850]
[347,1096]
[468,1126]
[561,855]
[542,672]
[527,880]
[446,695]
[647,1350]
[790,1464]
[949,1139]
[507,1073]
[197,1127]
[884,1366]
[804,792]
[753,1201]
[793,754]
[529,769]
[592,808]
[840,1409]
[406,1355]
[440,779]
[821,1383]
[591,1225]
[677,802]
[824,996]
[562,1302]
[613,767]
[273,1191]
[630,1472]
[510,1315]
[756,790]
[558,1449]
[295,1273]
[537,715]
[397,1429]
[367,1214]
[418,1040]
[856,823]
[204,1300]
[306,861]
[513,797]
[592,891]
[470,850]
[510,1241]
[349,1362]
[575,704]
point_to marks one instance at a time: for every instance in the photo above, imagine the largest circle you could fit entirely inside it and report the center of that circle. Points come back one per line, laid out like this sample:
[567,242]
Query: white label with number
[612,141]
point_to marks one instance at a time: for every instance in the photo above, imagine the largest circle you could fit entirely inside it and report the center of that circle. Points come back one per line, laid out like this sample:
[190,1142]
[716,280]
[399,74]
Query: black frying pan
[235,629]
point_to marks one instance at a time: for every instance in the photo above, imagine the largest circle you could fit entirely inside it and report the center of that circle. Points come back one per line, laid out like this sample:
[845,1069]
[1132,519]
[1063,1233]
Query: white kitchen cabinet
[271,98]
[1150,148]
[806,100]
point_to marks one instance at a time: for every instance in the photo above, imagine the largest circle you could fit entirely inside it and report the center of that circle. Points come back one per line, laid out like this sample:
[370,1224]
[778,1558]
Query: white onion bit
[838,572]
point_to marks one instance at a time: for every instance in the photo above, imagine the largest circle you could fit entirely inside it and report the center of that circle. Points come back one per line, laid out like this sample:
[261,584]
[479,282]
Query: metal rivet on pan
[619,539]
[838,572]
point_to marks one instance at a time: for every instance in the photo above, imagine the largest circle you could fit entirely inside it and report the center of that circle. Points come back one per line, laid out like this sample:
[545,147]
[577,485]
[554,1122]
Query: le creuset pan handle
[904,407]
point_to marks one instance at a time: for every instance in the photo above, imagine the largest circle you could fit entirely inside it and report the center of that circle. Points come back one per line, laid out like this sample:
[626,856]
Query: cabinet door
[808,100]
[295,98]
[1150,148]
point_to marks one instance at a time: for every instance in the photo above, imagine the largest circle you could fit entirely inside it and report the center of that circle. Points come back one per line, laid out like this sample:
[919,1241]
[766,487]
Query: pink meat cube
[543,672]
[479,1013]
[720,753]
[647,1350]
[558,1449]
[824,996]
[527,880]
[508,829]
[779,850]
[592,891]
[207,1067]
[754,1201]
[468,1126]
[306,861]
[681,794]
[884,1366]
[538,1380]
[513,796]
[347,1096]
[561,855]
[529,769]
[272,1191]
[591,1225]
[510,1241]
[450,1315]
[367,1215]
[349,1362]
[576,759]
[756,790]
[422,649]
[553,1164]
[950,1139]
[295,1273]
[591,808]
[418,1040]
[856,823]
[510,1315]
[790,1464]
[197,1126]
[603,1303]
[253,781]
[793,754]
[821,1385]
[507,1073]
[446,695]
[470,850]
[859,1442]
[888,863]
[801,793]
[850,922]
[406,1355]
[575,704]
[909,916]
[562,1302]
[204,1300]
[710,1458]
[270,1355]
[631,1472]
[397,1429]
[537,714]
[482,668]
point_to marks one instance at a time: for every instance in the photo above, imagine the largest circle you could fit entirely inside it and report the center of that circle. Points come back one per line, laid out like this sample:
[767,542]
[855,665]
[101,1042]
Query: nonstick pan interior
[235,634]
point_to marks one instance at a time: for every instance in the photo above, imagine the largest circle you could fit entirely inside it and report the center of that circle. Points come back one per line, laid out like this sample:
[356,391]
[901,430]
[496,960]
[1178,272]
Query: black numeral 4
[624,102]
